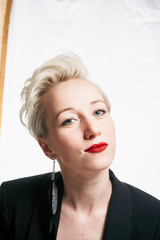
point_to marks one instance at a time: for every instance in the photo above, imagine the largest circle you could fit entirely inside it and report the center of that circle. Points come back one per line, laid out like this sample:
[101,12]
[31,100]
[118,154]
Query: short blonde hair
[61,68]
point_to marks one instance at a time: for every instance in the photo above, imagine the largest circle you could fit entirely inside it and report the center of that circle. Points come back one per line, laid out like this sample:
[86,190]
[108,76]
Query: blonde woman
[70,118]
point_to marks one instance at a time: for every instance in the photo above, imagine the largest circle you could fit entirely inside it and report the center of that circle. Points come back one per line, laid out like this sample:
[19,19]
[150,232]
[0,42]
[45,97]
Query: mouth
[97,147]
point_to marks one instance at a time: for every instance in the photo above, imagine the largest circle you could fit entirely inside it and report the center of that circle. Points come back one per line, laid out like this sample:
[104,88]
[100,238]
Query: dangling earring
[54,190]
[53,170]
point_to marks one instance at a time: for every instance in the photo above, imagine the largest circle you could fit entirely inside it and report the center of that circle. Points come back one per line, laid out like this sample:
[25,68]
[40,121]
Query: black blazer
[26,214]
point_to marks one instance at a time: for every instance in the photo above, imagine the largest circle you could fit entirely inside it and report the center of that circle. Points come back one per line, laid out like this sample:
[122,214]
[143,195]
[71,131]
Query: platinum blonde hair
[61,68]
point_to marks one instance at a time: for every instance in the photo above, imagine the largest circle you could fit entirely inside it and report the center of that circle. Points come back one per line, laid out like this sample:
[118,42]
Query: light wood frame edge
[7,4]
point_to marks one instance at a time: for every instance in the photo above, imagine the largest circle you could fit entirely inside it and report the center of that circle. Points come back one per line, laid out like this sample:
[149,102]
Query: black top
[26,212]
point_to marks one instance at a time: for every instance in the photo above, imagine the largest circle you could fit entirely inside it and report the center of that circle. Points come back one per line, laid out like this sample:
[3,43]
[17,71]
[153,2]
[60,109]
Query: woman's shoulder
[25,181]
[25,187]
[24,198]
[142,203]
[136,209]
[145,214]
[140,195]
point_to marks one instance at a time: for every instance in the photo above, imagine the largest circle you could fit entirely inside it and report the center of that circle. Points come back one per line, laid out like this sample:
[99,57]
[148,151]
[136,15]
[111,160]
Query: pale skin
[76,118]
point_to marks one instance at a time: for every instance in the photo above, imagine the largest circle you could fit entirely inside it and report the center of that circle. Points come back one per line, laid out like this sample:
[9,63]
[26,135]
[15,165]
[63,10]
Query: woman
[70,118]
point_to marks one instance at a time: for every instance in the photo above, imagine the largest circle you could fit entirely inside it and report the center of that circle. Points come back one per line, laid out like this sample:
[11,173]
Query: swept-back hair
[61,68]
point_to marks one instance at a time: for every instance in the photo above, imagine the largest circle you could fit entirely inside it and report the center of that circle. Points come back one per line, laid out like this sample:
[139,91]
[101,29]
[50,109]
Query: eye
[68,122]
[99,112]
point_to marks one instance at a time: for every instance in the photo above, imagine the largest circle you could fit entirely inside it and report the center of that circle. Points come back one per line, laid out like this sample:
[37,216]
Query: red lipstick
[96,148]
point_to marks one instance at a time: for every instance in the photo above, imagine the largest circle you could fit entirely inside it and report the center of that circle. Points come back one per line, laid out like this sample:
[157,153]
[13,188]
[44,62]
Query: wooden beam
[5,9]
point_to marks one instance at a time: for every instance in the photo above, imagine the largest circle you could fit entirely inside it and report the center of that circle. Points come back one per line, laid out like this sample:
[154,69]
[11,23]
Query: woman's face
[77,118]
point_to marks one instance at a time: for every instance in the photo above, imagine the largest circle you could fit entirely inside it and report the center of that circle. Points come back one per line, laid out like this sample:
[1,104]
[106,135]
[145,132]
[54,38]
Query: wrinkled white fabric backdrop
[119,41]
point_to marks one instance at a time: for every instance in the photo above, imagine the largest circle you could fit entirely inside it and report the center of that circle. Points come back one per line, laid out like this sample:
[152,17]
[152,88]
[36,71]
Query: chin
[100,164]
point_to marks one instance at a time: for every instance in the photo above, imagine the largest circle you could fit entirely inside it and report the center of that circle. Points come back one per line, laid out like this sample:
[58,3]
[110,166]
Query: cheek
[112,138]
[66,141]
[66,148]
[110,131]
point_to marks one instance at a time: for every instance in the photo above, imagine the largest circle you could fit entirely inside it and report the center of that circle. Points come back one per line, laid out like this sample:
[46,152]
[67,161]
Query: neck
[86,192]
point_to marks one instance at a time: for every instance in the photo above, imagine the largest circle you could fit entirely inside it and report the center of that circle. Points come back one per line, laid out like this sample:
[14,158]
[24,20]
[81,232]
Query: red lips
[97,147]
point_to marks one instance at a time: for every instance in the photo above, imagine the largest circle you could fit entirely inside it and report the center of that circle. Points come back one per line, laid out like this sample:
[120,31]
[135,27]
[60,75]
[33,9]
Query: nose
[91,130]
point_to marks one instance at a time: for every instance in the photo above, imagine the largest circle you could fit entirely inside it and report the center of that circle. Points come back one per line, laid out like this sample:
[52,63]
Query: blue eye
[68,122]
[99,112]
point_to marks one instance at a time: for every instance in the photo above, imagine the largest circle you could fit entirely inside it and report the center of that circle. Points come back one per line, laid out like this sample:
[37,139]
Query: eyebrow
[63,110]
[73,109]
[93,102]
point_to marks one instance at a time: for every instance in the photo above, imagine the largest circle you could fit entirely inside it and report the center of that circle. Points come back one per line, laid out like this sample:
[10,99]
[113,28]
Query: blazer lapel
[118,223]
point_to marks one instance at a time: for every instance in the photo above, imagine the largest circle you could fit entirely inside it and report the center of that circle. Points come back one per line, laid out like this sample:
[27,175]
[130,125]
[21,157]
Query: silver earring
[53,170]
[54,190]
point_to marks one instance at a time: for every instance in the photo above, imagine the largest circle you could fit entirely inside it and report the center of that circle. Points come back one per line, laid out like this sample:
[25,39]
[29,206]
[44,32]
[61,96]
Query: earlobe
[45,147]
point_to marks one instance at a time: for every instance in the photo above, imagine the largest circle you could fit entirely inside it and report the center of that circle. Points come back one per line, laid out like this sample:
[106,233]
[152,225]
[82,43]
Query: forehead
[72,92]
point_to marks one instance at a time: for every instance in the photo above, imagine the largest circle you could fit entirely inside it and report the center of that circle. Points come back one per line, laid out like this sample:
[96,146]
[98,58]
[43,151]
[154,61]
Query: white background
[119,42]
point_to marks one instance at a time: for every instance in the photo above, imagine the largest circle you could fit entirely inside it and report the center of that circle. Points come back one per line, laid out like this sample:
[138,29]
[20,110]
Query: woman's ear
[45,147]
